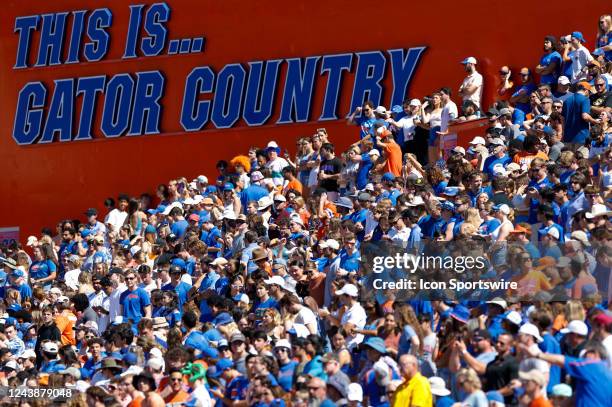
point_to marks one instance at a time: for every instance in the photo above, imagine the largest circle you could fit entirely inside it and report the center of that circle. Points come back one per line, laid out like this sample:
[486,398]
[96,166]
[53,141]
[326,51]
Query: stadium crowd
[249,290]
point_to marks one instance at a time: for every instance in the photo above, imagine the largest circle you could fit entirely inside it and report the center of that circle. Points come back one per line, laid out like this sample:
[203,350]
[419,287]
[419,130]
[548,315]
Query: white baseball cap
[563,80]
[349,289]
[438,386]
[514,317]
[374,152]
[276,280]
[354,392]
[576,327]
[553,232]
[531,329]
[469,60]
[415,102]
[282,343]
[478,140]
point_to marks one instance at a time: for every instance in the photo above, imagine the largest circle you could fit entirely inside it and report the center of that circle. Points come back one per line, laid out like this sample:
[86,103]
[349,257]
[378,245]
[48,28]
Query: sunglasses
[131,278]
[176,379]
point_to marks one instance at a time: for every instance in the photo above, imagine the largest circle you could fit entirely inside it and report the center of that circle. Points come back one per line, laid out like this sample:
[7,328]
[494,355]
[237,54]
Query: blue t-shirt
[210,238]
[492,160]
[361,180]
[546,60]
[134,303]
[576,128]
[179,227]
[592,379]
[181,289]
[528,88]
[198,341]
[349,262]
[285,375]
[42,269]
[252,193]
[551,345]
[405,340]
[237,388]
[430,225]
[366,125]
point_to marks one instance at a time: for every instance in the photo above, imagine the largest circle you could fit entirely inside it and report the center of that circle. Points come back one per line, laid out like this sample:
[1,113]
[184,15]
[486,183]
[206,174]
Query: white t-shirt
[199,398]
[276,167]
[407,126]
[305,317]
[355,315]
[475,79]
[580,58]
[148,288]
[607,343]
[449,112]
[116,218]
[114,309]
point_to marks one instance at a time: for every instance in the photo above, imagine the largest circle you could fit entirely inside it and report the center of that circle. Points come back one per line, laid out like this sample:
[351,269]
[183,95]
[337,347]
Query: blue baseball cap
[221,366]
[130,358]
[449,206]
[387,176]
[179,262]
[18,273]
[598,51]
[451,191]
[228,186]
[578,35]
[376,343]
[150,229]
[397,109]
[85,232]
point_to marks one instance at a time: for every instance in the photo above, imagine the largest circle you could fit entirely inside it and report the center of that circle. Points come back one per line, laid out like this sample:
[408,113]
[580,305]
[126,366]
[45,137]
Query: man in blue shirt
[179,223]
[210,236]
[366,162]
[550,63]
[591,373]
[18,282]
[349,255]
[367,119]
[134,301]
[576,111]
[181,287]
[253,192]
[498,156]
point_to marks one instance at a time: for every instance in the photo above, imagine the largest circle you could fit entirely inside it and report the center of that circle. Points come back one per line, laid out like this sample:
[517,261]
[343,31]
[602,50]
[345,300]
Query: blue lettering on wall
[75,36]
[29,114]
[89,87]
[51,39]
[133,30]
[24,26]
[402,68]
[149,90]
[369,74]
[258,102]
[61,112]
[155,17]
[194,112]
[117,102]
[227,103]
[334,64]
[99,20]
[299,85]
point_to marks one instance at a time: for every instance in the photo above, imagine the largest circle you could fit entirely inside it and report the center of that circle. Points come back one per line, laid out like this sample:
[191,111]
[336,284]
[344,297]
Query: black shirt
[499,373]
[330,167]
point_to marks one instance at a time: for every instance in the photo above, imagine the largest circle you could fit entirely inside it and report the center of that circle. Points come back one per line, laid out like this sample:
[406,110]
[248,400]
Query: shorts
[433,136]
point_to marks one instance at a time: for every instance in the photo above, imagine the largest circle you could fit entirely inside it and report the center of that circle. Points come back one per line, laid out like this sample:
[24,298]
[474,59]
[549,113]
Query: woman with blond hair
[469,383]
[604,35]
[272,324]
[472,221]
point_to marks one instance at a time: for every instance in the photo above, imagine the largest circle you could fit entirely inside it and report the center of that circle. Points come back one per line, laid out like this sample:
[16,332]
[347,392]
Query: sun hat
[438,386]
[376,343]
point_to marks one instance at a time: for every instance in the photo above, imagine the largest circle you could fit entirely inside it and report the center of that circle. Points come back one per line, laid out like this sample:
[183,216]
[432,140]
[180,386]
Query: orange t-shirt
[393,153]
[540,402]
[526,158]
[178,397]
[65,323]
[295,185]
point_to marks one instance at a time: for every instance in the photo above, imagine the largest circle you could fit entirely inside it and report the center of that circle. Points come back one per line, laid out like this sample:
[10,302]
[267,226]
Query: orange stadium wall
[55,173]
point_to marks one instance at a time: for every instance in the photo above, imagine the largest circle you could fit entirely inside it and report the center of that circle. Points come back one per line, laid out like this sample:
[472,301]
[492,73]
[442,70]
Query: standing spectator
[550,63]
[592,375]
[578,54]
[329,171]
[471,88]
[504,91]
[135,302]
[116,217]
[604,36]
[576,112]
[366,121]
